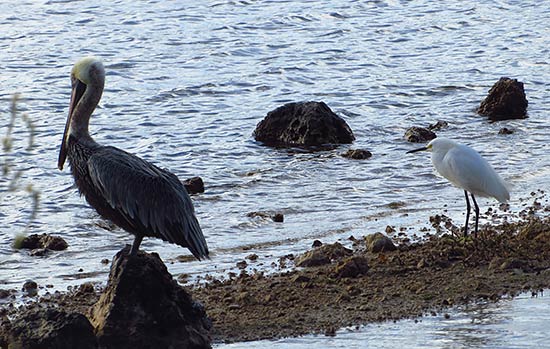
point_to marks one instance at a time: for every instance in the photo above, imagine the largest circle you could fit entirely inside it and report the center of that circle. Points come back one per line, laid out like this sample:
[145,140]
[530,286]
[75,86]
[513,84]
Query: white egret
[466,169]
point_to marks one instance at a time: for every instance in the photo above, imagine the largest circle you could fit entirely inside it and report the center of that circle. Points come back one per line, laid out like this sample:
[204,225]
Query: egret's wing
[145,193]
[473,173]
[462,168]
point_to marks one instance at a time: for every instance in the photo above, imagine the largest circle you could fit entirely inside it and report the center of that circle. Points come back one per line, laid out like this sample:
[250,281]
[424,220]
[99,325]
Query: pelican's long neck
[84,109]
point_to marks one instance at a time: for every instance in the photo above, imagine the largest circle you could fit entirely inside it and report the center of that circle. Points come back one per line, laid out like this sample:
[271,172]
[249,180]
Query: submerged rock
[278,217]
[303,124]
[506,100]
[44,241]
[505,131]
[275,217]
[357,154]
[417,134]
[440,124]
[47,328]
[194,185]
[144,307]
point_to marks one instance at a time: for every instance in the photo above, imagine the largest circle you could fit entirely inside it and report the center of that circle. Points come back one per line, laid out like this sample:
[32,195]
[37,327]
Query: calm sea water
[188,81]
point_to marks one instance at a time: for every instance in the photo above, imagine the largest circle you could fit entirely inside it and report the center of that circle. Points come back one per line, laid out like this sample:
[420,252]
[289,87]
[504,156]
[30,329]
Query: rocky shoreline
[338,286]
[412,281]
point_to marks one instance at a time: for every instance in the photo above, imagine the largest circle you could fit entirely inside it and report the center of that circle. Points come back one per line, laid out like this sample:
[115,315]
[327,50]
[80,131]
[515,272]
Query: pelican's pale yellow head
[87,69]
[87,80]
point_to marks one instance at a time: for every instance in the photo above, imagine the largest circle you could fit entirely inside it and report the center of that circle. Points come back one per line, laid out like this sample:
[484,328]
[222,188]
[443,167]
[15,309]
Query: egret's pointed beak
[415,150]
[77,92]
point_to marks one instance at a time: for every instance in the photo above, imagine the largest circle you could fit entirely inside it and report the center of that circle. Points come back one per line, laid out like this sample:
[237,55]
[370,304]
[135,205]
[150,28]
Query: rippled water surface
[187,82]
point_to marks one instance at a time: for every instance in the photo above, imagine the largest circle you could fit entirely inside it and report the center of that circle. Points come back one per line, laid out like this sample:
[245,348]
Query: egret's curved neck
[80,118]
[437,159]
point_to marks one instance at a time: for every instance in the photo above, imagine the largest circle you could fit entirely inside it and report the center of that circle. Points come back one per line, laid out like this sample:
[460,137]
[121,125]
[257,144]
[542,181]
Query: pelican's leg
[467,213]
[477,215]
[135,245]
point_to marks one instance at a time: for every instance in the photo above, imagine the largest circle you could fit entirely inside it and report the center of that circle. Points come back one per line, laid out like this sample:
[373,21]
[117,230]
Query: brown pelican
[136,195]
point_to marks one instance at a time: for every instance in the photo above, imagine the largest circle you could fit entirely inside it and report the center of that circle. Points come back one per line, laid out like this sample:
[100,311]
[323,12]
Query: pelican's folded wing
[149,195]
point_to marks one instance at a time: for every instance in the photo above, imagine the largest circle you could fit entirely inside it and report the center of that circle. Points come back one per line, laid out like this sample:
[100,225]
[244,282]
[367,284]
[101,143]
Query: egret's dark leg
[467,213]
[477,215]
[135,245]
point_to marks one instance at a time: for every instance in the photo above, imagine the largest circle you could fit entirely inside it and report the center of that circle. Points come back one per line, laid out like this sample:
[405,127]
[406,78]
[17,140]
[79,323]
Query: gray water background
[188,81]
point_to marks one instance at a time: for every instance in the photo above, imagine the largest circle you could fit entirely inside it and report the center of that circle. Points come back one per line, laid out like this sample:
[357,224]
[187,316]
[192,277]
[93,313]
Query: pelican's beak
[415,150]
[78,90]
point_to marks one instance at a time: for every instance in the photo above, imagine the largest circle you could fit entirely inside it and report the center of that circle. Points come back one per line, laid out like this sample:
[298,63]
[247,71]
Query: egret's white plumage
[466,169]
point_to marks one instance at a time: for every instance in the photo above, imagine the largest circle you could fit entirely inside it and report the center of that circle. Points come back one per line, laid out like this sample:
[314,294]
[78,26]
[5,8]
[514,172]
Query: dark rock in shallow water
[44,241]
[278,217]
[505,131]
[440,124]
[358,154]
[194,185]
[275,217]
[144,307]
[30,288]
[506,100]
[417,134]
[303,124]
[47,328]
